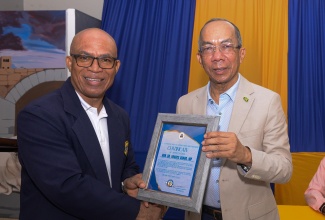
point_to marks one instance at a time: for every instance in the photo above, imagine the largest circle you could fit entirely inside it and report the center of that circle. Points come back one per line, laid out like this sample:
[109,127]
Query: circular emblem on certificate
[170,183]
[181,135]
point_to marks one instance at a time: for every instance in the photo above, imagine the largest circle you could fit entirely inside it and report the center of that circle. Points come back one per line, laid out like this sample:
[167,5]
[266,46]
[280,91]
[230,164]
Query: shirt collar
[230,92]
[88,107]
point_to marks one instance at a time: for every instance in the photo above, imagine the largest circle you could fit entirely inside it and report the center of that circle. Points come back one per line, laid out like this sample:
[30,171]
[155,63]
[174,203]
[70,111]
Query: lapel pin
[126,148]
[245,99]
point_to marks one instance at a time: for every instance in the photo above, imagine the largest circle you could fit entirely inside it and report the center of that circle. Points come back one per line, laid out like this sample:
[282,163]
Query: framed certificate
[176,169]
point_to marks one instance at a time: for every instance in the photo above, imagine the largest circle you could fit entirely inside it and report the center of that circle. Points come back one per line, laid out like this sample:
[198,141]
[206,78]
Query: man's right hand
[152,212]
[132,185]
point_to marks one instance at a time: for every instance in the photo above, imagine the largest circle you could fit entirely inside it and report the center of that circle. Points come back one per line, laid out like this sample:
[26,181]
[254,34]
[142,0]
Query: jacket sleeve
[315,193]
[269,144]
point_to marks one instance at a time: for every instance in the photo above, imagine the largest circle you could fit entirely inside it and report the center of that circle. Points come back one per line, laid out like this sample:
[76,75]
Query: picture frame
[176,169]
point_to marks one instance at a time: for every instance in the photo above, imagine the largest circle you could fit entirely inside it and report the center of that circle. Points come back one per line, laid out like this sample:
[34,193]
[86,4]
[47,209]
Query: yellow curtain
[264,28]
[305,165]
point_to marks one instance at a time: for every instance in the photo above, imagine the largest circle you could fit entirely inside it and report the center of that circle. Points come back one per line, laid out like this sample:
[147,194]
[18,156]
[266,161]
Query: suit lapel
[243,102]
[115,151]
[89,142]
[84,131]
[199,104]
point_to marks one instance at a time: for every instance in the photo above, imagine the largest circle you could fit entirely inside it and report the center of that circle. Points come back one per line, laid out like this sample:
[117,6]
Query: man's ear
[68,62]
[199,58]
[117,65]
[242,54]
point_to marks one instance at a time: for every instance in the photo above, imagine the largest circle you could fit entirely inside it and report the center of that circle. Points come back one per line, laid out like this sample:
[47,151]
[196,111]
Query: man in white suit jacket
[254,144]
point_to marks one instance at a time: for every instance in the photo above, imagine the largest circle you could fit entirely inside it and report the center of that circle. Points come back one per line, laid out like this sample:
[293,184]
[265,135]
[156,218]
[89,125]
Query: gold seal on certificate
[176,168]
[170,183]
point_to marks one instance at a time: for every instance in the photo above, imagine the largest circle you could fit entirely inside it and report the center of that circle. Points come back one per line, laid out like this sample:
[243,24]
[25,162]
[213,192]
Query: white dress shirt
[99,122]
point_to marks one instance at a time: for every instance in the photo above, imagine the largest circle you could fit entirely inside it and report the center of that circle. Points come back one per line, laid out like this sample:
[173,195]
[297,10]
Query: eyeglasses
[104,62]
[208,50]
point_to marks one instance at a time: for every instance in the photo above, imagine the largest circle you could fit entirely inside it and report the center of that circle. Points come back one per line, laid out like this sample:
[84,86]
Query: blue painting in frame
[33,39]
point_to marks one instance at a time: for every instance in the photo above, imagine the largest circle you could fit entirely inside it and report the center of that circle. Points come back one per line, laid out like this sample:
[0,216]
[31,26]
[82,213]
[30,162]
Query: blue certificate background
[196,132]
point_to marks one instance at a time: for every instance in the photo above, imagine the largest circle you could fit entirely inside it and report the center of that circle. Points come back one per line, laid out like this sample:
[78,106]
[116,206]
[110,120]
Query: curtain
[305,165]
[154,41]
[264,29]
[306,73]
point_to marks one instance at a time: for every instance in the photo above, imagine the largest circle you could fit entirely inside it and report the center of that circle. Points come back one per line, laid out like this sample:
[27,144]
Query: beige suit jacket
[259,123]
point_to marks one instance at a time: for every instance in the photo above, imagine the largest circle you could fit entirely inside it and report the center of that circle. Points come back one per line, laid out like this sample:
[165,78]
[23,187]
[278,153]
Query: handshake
[148,211]
[151,212]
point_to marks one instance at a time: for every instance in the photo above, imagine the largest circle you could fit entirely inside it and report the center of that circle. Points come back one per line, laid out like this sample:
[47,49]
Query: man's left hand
[226,145]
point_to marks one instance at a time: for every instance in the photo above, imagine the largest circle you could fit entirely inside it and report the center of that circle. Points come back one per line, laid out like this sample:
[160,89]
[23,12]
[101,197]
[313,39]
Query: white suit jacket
[259,122]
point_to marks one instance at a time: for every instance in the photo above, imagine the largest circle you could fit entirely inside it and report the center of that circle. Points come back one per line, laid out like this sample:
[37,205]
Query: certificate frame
[193,201]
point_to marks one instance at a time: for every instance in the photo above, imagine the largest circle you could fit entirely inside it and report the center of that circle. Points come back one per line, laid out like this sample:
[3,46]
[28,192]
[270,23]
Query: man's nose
[217,53]
[95,65]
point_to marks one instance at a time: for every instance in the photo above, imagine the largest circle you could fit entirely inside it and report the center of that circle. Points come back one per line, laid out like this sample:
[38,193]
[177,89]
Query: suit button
[256,177]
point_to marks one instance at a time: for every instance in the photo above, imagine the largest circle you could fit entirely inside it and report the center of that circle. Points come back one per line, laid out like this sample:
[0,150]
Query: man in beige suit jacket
[255,147]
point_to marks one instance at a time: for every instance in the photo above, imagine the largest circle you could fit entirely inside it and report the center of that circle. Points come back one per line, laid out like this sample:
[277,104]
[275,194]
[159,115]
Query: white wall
[11,5]
[93,8]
